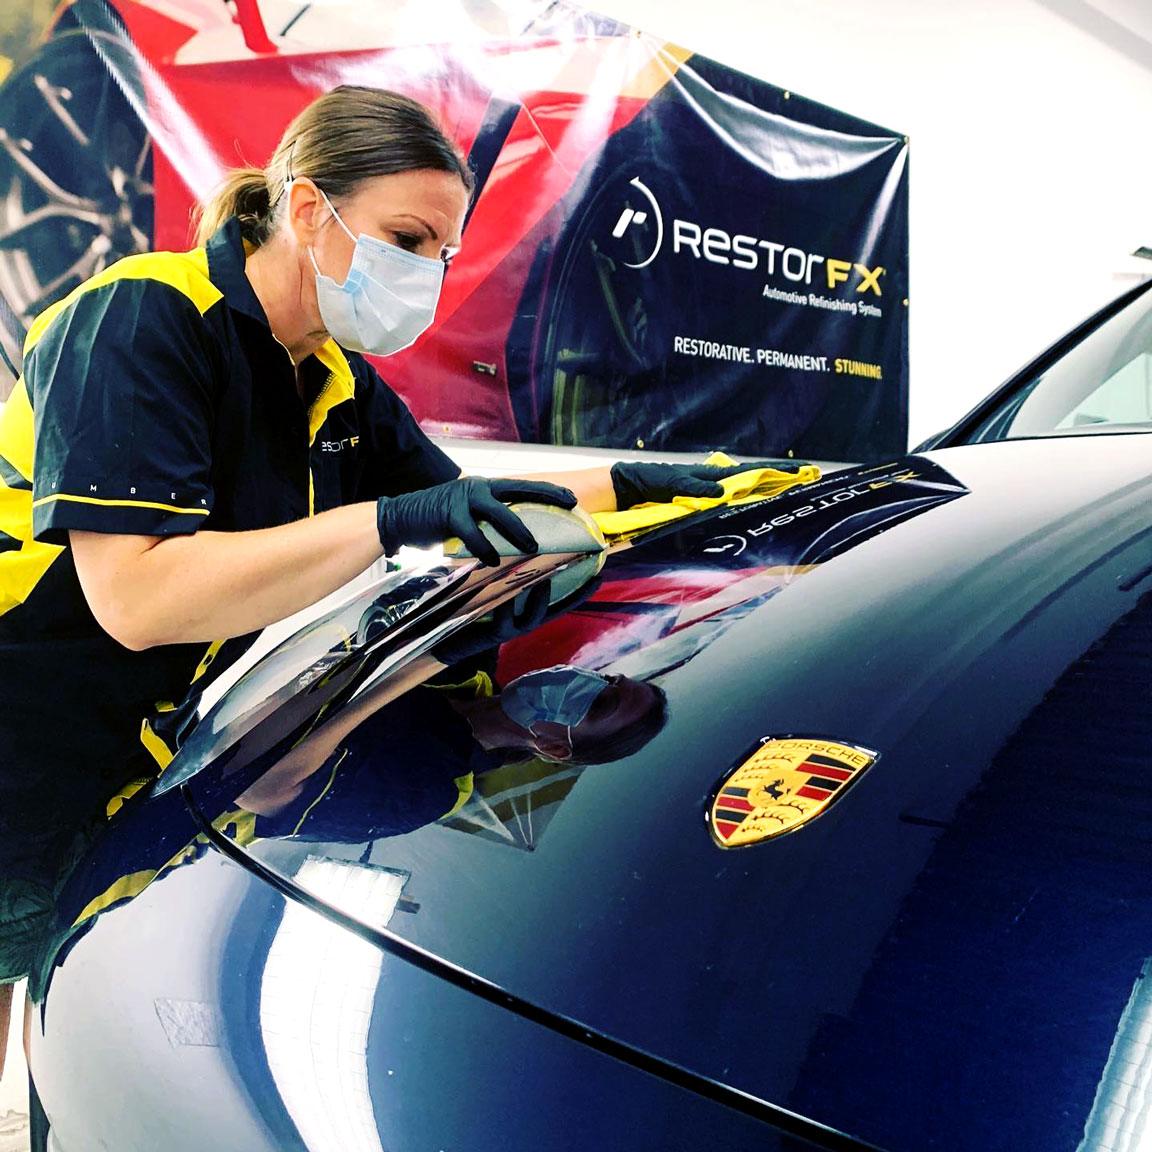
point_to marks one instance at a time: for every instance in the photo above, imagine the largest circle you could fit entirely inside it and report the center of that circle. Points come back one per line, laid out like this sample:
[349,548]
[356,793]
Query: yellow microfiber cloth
[743,488]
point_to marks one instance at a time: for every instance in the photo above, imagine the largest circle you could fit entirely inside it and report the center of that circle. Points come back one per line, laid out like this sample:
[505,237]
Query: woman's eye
[407,241]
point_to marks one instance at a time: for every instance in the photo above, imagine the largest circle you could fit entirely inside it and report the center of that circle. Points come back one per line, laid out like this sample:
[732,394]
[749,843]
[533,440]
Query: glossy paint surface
[253,1024]
[942,959]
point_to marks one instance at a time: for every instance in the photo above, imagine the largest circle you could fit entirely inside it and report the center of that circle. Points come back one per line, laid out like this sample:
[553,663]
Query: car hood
[946,956]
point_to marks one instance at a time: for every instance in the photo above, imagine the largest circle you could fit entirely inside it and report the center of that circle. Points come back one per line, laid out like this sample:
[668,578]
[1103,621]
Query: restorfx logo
[641,213]
[637,217]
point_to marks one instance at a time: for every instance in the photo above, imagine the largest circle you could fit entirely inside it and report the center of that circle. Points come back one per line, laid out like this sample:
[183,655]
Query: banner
[663,253]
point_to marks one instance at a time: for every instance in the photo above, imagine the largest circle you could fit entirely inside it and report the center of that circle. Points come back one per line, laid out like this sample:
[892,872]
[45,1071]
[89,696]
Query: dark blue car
[835,834]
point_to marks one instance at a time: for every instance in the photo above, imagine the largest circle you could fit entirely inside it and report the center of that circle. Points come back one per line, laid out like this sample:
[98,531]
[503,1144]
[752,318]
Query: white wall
[1031,173]
[14,1082]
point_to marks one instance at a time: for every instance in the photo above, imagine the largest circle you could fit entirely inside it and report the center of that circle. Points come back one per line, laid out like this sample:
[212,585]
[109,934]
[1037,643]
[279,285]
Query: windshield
[1103,385]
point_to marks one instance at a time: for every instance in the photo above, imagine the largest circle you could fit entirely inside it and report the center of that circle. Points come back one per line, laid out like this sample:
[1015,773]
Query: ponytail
[245,194]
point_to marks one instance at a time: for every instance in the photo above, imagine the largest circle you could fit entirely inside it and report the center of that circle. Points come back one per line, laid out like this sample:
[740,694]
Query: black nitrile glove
[642,483]
[456,508]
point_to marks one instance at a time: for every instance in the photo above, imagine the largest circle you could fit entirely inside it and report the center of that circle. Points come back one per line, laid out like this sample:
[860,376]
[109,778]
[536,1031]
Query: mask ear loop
[324,195]
[336,215]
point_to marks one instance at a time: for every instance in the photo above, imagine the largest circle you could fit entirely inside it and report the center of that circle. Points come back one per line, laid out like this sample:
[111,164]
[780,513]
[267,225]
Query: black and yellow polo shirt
[155,400]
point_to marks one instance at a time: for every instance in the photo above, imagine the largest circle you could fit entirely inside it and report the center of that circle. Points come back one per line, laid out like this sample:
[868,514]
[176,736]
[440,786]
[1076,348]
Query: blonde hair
[348,135]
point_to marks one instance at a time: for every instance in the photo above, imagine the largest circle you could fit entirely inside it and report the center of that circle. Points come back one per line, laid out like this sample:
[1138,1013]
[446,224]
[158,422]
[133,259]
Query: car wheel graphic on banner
[75,178]
[597,365]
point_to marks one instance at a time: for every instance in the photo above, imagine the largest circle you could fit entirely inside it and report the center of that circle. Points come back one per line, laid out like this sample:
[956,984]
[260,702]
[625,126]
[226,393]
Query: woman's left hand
[643,483]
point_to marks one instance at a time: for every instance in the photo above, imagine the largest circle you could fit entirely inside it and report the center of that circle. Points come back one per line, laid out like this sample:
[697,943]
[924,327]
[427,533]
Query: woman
[197,448]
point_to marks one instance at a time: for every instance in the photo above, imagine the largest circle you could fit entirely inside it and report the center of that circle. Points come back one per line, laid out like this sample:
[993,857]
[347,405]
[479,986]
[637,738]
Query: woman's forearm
[593,486]
[207,586]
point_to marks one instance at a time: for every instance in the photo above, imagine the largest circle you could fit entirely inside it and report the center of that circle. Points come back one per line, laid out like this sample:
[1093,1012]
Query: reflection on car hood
[944,957]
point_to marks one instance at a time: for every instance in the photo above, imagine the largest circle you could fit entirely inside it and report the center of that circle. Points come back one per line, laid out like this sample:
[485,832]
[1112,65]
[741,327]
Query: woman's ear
[307,210]
[552,741]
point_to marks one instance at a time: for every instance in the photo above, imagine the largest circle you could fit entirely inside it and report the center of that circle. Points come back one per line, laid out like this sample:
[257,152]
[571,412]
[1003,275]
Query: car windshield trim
[1098,376]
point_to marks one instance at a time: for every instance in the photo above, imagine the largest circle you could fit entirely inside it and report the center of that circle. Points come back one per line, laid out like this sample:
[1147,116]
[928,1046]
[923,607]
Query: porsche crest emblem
[784,784]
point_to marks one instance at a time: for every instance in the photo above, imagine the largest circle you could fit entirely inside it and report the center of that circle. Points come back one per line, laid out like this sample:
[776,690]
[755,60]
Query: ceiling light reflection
[317,992]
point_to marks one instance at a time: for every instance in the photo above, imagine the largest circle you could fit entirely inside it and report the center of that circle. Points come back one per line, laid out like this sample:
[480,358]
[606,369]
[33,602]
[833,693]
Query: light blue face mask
[559,695]
[387,300]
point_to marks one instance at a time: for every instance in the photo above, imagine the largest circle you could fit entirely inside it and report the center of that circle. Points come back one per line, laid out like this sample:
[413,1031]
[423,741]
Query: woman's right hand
[432,515]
